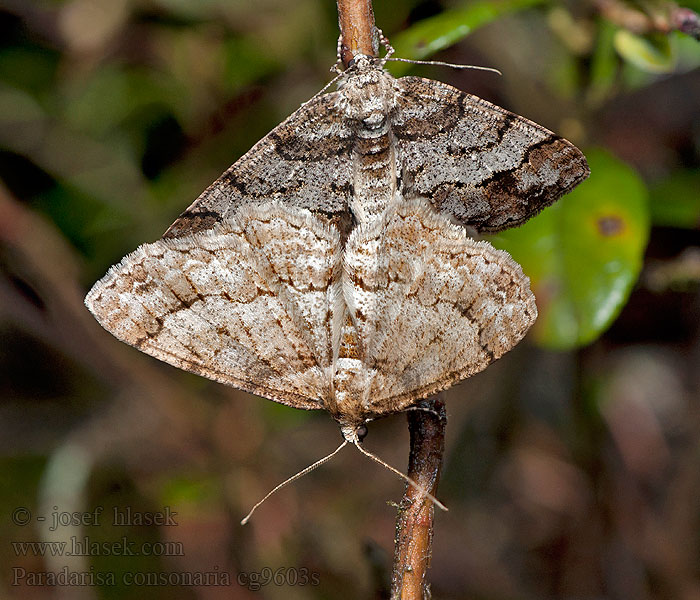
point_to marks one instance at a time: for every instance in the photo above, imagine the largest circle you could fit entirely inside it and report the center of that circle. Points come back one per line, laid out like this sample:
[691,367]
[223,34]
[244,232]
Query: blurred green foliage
[449,27]
[653,54]
[675,200]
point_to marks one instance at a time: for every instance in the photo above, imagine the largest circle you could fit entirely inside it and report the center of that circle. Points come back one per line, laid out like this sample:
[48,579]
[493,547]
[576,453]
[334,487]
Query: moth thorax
[370,96]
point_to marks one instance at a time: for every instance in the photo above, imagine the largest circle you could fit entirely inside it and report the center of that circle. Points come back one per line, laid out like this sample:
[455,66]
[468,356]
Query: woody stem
[414,523]
[357,30]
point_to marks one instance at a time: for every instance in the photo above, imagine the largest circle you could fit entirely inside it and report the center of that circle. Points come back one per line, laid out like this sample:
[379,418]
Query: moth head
[360,62]
[354,434]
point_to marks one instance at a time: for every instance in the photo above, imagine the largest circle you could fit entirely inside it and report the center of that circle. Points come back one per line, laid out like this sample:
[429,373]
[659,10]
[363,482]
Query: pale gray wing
[247,303]
[304,162]
[430,305]
[487,167]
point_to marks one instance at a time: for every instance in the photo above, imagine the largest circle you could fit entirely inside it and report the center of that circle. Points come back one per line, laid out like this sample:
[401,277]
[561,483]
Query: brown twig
[358,34]
[414,523]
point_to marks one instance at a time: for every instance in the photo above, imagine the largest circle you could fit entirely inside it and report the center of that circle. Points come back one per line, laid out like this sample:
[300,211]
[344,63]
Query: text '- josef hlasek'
[119,516]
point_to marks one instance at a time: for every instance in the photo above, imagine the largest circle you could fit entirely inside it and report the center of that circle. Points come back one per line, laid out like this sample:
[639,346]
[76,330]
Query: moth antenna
[325,87]
[444,64]
[300,474]
[406,478]
[384,41]
[339,61]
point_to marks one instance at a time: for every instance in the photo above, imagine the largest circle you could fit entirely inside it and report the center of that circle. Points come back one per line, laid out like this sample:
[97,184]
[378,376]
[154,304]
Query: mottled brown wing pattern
[430,305]
[487,167]
[347,209]
[245,303]
[303,162]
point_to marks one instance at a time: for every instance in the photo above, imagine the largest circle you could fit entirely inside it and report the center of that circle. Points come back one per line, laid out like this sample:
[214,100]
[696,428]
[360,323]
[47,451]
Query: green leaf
[650,53]
[584,254]
[441,31]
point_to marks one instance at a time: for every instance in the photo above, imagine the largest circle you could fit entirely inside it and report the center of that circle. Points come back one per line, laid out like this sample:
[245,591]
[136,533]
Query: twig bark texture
[357,29]
[414,524]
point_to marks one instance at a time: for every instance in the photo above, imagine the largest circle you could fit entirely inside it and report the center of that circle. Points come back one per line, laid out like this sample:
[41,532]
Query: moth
[346,153]
[329,268]
[270,301]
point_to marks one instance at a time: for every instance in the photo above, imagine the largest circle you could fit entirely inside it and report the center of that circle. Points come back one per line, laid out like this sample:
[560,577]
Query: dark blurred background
[572,467]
